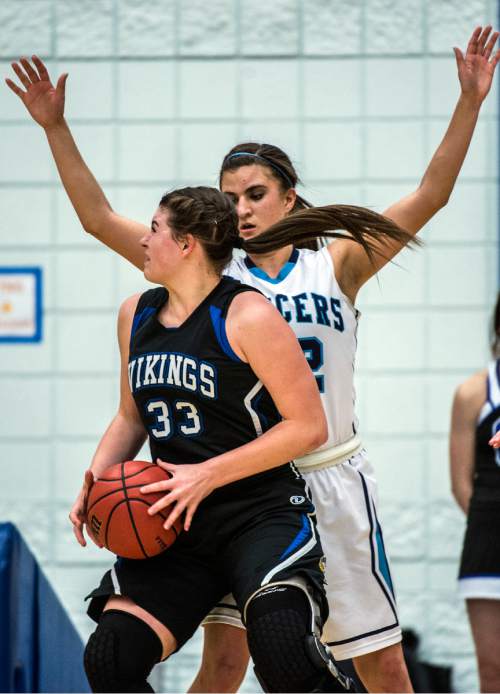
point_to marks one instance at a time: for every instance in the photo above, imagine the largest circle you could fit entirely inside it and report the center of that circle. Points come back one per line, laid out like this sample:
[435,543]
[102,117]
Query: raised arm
[475,73]
[45,104]
[467,403]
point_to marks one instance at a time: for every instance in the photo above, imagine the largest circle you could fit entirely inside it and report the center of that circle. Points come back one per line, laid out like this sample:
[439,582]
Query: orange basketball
[117,512]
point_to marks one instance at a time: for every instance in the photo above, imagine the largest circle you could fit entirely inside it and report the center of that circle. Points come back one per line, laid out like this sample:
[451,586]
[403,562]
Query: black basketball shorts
[244,536]
[479,575]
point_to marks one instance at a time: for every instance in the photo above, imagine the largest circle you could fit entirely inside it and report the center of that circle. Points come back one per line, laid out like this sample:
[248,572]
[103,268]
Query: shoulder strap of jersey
[493,387]
[492,391]
[218,309]
[231,289]
[148,303]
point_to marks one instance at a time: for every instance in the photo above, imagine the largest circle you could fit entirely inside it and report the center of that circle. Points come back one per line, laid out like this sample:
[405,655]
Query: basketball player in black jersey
[215,377]
[475,474]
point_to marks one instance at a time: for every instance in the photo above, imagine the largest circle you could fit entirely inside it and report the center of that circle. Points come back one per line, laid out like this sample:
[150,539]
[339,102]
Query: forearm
[284,442]
[84,192]
[442,172]
[121,441]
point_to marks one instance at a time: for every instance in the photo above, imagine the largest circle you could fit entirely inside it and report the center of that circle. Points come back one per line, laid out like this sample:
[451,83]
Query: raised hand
[44,102]
[477,67]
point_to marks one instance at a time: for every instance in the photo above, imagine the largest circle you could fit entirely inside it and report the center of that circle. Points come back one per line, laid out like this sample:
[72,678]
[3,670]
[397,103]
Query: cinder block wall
[359,93]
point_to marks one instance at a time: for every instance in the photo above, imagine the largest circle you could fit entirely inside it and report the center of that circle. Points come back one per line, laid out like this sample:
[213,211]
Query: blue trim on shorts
[382,555]
[383,565]
[373,567]
[303,535]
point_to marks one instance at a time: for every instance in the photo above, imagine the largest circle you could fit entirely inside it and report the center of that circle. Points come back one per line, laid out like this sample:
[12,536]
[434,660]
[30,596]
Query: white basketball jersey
[308,296]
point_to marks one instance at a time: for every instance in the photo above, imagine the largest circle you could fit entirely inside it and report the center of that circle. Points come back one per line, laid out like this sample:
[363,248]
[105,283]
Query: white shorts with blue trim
[363,616]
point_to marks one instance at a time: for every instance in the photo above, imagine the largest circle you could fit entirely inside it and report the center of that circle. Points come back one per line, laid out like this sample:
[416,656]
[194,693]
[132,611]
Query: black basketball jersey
[196,398]
[487,470]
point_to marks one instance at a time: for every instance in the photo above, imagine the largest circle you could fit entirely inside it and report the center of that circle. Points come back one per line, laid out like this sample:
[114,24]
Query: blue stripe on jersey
[219,326]
[284,272]
[139,318]
[303,534]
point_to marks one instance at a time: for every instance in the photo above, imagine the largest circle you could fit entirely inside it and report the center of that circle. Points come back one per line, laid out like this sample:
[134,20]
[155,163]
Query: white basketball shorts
[363,616]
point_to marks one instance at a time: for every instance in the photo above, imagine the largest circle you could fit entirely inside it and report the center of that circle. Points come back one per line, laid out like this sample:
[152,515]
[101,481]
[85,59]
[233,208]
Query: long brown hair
[210,216]
[370,229]
[308,226]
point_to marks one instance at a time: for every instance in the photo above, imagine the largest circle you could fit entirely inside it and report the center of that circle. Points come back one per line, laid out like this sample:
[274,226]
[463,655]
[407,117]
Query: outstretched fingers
[162,486]
[459,56]
[61,83]
[472,46]
[23,78]
[189,516]
[483,37]
[177,510]
[491,44]
[495,59]
[32,74]
[13,86]
[166,501]
[40,66]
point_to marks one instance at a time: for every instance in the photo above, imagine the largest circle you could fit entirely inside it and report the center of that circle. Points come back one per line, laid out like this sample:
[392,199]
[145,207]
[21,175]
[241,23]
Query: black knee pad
[121,653]
[287,653]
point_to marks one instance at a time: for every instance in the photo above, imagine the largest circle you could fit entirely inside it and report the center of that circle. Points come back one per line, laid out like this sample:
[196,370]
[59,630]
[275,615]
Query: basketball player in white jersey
[316,292]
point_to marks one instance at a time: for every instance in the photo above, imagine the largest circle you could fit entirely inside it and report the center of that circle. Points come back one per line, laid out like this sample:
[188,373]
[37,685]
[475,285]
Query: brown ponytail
[370,229]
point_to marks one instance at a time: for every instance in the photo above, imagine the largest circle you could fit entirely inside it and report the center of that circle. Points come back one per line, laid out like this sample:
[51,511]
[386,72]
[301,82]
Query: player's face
[258,197]
[162,249]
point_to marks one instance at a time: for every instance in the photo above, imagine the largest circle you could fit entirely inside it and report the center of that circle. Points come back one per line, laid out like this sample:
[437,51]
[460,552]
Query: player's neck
[185,294]
[272,263]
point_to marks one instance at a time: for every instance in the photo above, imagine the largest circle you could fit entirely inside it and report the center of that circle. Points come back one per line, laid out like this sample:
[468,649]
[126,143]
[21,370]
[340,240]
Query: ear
[186,243]
[290,198]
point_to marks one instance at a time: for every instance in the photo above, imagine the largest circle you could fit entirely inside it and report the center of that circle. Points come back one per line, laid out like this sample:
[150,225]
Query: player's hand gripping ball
[117,512]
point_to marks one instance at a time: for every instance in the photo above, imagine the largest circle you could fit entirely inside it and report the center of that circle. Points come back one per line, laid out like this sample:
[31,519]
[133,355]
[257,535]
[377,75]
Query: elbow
[433,198]
[319,433]
[92,229]
[98,221]
[442,202]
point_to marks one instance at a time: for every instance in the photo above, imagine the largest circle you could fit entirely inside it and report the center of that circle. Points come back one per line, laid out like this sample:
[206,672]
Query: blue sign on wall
[20,304]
